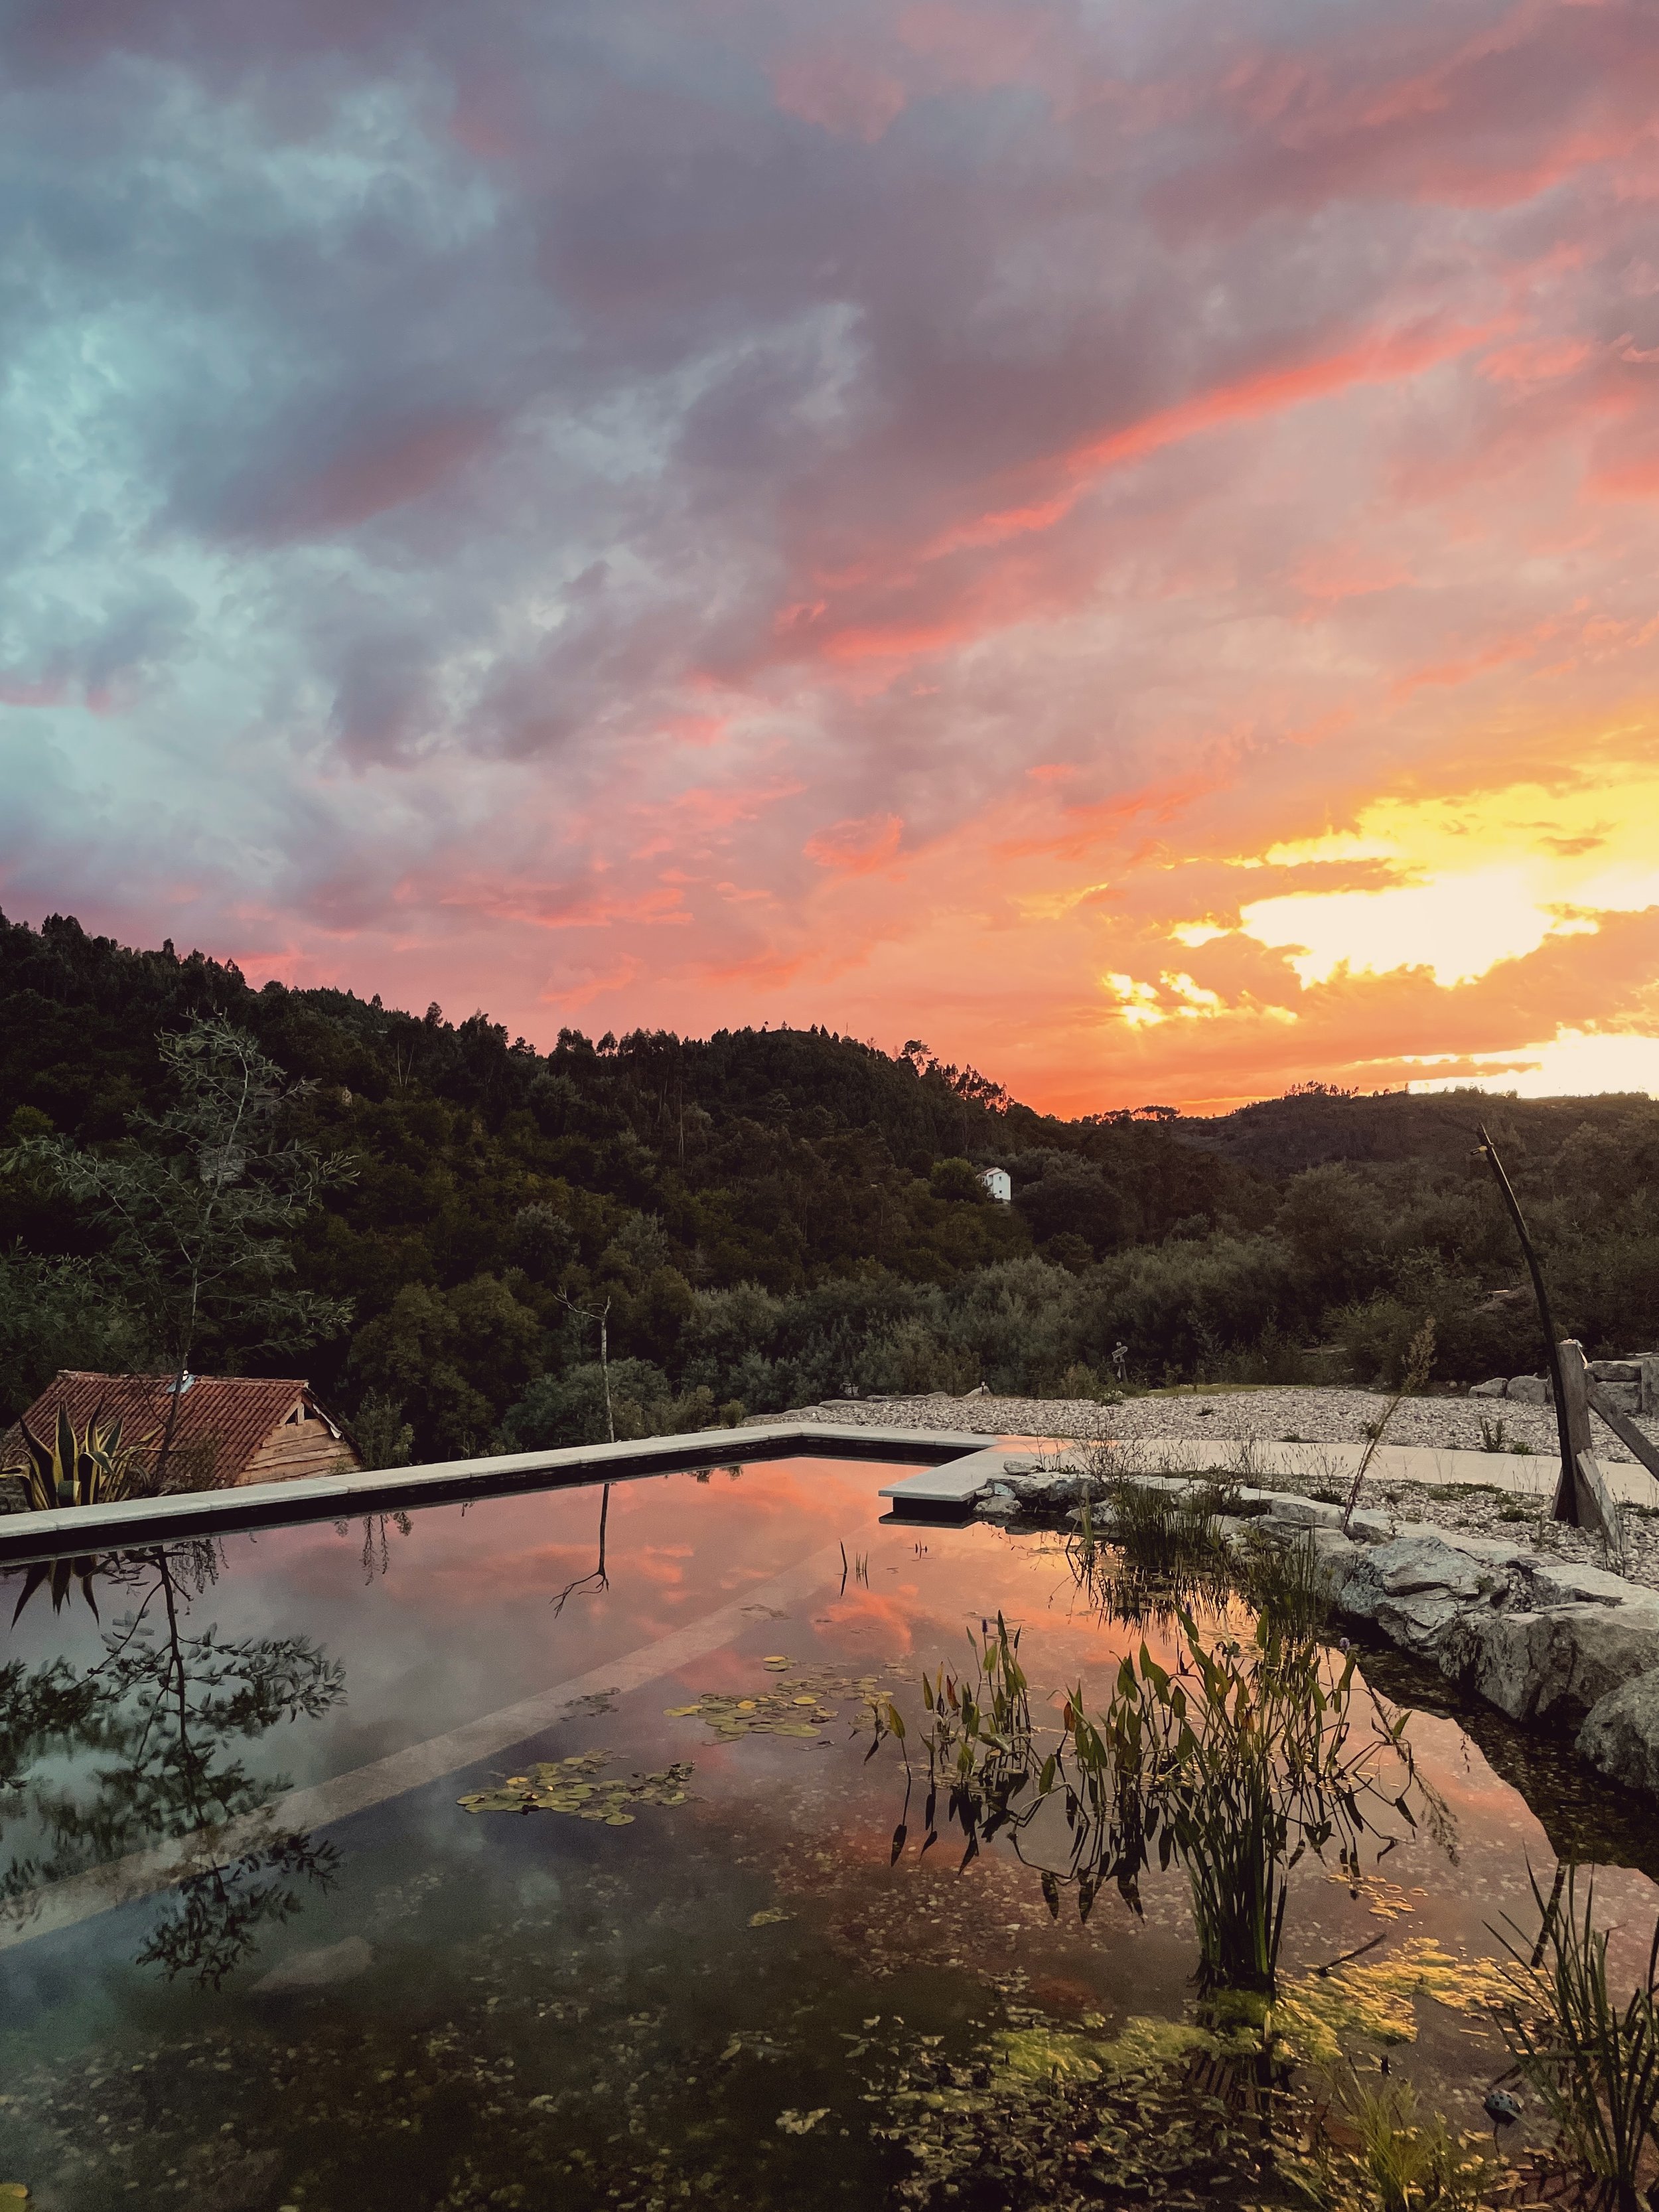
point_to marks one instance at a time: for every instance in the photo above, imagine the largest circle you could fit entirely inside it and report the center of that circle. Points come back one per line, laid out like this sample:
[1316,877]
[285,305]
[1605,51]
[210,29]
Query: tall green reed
[1249,1752]
[1391,2156]
[1142,1552]
[1593,2063]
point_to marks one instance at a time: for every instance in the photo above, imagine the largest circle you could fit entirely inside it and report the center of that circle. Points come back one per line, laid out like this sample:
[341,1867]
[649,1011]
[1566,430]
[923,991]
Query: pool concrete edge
[27,1537]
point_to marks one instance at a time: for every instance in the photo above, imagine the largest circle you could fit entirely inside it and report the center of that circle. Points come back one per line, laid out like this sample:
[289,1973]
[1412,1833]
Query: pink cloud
[856,848]
[1348,571]
[746,518]
[839,91]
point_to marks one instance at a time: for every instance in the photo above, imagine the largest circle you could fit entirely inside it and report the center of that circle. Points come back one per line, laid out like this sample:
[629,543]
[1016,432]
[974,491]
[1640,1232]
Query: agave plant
[95,1468]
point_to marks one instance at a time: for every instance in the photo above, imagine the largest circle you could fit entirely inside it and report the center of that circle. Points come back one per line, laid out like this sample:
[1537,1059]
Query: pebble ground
[1307,1413]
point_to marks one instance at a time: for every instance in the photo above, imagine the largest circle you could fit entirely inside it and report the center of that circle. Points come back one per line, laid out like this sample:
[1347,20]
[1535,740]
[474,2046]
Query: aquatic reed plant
[1251,1751]
[1265,1755]
[1286,1581]
[1144,1553]
[1162,1531]
[1593,2063]
[1387,2155]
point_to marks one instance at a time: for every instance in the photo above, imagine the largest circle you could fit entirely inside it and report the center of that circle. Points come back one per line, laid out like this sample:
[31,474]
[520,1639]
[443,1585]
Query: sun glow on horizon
[1477,880]
[1575,1063]
[1425,902]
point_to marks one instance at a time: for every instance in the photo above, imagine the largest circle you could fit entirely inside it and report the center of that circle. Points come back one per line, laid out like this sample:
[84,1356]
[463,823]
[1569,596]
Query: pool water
[663,1987]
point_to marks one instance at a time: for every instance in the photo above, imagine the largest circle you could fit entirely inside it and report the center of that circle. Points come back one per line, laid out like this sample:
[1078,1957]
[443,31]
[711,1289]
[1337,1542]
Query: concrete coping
[84,1528]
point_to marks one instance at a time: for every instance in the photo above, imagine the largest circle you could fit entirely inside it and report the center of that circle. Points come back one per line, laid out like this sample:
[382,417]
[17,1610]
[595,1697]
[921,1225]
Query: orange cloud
[1378,357]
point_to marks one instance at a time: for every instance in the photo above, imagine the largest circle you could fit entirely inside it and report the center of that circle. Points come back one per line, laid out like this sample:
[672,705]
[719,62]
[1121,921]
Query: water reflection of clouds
[461,1623]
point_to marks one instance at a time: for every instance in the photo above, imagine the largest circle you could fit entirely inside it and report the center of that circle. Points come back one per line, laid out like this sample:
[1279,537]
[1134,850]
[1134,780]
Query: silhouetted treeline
[773,1216]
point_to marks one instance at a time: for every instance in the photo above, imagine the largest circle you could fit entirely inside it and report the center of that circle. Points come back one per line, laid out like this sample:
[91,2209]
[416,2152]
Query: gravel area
[1302,1414]
[1518,1520]
[1293,1412]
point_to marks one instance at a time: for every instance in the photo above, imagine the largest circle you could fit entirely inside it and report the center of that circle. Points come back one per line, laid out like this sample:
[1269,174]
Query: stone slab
[958,1485]
[1258,1460]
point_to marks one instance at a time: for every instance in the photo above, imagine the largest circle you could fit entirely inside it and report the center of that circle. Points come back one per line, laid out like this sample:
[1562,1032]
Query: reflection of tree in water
[597,1578]
[157,1717]
[376,1550]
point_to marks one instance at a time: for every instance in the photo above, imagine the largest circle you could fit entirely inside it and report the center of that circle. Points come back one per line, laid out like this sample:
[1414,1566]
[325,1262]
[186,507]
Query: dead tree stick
[1567,1489]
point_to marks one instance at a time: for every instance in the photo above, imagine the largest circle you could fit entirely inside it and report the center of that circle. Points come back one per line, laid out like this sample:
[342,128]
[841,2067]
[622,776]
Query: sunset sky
[1119,539]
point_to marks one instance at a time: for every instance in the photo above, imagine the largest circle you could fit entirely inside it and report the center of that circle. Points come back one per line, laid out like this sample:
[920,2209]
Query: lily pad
[573,1785]
[812,1698]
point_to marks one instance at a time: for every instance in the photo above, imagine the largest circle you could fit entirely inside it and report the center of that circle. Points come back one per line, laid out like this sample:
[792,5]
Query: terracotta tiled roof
[230,1415]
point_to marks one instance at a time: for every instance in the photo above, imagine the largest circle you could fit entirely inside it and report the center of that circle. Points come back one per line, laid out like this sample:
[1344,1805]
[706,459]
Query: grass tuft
[1593,2064]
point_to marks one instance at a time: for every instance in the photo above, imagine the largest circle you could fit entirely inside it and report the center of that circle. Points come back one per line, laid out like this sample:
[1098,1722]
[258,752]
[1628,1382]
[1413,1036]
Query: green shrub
[959,1180]
[569,1409]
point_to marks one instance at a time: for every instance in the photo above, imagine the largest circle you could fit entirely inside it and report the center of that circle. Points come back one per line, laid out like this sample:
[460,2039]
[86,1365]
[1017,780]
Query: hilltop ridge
[770,1217]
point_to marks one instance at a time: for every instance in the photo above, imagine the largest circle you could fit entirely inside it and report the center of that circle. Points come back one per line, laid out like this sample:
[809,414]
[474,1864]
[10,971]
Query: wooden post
[1641,1447]
[1575,1396]
[1649,1398]
[1606,1506]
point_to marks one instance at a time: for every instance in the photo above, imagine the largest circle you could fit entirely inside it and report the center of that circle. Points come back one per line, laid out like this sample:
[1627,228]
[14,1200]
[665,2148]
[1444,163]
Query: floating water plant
[1377,1999]
[1066,2116]
[812,1698]
[574,1785]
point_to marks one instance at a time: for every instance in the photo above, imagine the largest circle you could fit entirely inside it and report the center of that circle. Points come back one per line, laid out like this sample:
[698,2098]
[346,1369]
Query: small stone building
[231,1428]
[999,1184]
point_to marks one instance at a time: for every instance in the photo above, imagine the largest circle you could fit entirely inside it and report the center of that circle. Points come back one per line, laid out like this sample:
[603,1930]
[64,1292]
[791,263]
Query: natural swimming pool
[714,1986]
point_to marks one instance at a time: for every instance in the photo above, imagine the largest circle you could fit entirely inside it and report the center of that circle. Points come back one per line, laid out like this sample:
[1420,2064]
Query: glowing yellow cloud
[1571,1064]
[1138,1003]
[1457,926]
[1481,879]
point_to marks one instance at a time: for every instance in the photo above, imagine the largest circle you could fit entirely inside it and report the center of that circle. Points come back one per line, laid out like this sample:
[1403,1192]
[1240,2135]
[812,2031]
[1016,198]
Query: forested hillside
[770,1217]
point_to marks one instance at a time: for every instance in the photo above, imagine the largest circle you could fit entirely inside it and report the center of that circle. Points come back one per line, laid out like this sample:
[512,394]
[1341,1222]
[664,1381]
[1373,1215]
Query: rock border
[1539,1638]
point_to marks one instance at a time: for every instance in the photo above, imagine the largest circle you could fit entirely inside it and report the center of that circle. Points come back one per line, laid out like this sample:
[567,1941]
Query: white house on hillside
[997,1184]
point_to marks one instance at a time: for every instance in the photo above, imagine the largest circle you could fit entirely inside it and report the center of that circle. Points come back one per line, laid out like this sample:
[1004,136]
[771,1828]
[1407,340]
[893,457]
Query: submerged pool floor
[695,1973]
